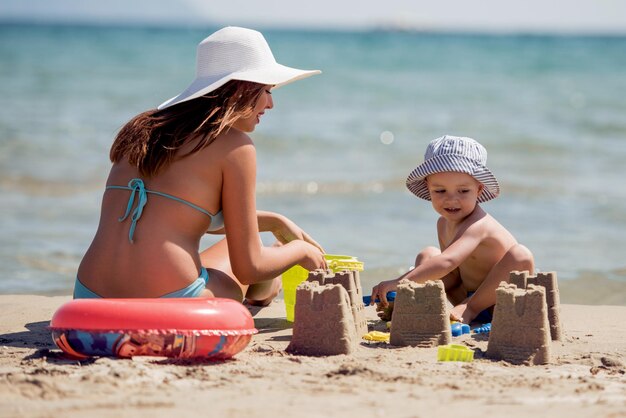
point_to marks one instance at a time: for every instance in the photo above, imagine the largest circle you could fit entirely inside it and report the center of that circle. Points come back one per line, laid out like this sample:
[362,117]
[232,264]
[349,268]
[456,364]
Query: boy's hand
[380,292]
[462,313]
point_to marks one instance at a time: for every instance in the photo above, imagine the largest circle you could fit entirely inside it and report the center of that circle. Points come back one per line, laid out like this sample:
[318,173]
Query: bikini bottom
[192,291]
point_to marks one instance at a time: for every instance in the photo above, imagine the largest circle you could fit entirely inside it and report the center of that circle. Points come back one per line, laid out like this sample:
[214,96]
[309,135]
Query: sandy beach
[586,378]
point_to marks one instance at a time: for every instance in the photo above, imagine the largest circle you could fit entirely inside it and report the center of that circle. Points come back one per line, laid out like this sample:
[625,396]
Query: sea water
[334,153]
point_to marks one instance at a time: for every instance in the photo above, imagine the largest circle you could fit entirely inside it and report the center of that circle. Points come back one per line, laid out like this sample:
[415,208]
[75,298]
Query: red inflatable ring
[212,328]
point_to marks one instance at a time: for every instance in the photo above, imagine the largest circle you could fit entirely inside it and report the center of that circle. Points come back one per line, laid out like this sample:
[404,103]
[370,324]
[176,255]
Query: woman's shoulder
[235,144]
[225,145]
[234,138]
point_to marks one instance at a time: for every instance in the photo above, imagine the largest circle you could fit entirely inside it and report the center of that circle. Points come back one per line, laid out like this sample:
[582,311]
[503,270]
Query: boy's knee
[426,253]
[522,257]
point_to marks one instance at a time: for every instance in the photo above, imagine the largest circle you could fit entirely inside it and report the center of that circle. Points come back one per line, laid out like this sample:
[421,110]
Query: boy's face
[453,195]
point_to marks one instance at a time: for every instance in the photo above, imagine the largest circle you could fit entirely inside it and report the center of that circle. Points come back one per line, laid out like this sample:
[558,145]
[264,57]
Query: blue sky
[580,16]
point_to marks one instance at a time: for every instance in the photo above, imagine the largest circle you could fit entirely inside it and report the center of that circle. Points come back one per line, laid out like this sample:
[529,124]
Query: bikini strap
[169,196]
[135,186]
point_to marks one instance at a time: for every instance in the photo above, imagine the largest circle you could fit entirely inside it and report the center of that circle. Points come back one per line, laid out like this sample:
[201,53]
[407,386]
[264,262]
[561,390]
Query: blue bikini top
[136,186]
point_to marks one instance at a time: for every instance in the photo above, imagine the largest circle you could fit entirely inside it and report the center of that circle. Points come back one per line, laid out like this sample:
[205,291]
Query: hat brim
[416,181]
[277,75]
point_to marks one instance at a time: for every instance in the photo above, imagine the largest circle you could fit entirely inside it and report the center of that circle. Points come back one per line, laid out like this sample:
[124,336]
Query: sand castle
[520,330]
[548,281]
[351,281]
[420,315]
[329,314]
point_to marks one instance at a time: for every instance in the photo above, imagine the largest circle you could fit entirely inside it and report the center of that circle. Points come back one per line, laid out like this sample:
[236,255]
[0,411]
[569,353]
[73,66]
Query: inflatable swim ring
[212,328]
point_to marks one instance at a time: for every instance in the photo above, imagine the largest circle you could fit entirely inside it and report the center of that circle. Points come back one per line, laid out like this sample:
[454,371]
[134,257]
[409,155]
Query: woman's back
[165,249]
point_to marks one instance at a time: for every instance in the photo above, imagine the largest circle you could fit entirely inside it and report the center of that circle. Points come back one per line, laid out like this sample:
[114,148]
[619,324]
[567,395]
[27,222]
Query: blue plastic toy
[458,328]
[485,328]
[391,296]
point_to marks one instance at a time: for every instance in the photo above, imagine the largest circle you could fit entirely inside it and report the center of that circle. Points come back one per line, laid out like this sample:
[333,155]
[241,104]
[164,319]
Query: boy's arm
[451,258]
[435,268]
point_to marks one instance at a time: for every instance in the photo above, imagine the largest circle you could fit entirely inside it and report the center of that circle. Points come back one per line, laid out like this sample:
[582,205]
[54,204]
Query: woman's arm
[284,229]
[251,262]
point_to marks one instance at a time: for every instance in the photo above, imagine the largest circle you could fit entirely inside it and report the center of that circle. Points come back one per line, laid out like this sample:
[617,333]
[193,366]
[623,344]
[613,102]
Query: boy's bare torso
[493,242]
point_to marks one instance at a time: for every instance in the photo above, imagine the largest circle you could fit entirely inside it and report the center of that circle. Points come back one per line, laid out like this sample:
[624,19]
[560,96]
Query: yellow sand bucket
[296,275]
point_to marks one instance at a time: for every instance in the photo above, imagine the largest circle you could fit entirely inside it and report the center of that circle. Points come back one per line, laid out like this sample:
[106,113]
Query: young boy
[475,252]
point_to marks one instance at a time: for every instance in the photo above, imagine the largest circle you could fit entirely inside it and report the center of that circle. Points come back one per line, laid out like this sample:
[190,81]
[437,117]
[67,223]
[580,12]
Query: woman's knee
[262,294]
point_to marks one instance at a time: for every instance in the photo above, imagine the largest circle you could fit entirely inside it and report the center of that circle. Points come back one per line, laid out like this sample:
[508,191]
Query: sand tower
[349,280]
[520,331]
[323,323]
[548,281]
[420,315]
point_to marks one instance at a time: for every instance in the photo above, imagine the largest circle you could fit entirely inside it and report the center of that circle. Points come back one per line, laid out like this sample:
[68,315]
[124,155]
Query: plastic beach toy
[377,336]
[210,328]
[458,328]
[391,296]
[297,274]
[485,328]
[455,352]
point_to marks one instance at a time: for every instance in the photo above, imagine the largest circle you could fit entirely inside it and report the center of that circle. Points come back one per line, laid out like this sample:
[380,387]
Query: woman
[189,167]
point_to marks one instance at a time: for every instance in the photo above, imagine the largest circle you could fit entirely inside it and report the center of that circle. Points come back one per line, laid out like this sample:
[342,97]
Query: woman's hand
[285,230]
[288,231]
[313,257]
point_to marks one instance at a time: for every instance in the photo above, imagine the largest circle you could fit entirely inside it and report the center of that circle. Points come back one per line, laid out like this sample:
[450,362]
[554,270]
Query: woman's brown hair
[151,140]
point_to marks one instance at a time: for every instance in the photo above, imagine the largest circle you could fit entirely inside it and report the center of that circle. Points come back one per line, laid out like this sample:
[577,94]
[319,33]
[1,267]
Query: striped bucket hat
[454,153]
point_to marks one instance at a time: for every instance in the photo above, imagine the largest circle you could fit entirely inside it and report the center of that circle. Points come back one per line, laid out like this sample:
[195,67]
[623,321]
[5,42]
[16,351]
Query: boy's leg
[384,313]
[425,254]
[517,258]
[455,291]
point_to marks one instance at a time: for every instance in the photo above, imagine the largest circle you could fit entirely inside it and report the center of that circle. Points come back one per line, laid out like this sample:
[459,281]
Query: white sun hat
[234,53]
[454,153]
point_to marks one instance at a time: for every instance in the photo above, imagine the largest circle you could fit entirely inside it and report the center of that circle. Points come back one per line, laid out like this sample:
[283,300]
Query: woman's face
[248,123]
